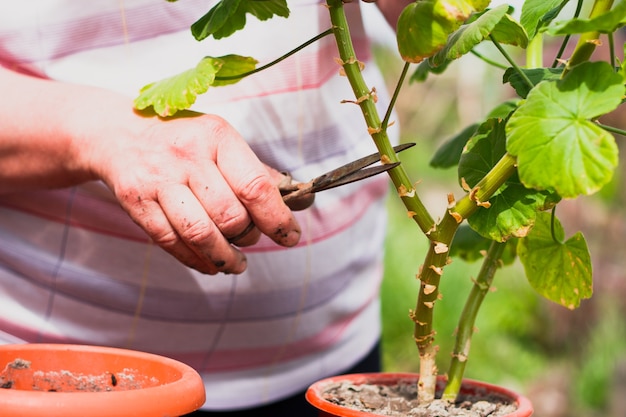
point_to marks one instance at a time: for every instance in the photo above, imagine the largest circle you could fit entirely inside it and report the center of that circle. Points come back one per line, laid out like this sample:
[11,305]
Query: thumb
[284,180]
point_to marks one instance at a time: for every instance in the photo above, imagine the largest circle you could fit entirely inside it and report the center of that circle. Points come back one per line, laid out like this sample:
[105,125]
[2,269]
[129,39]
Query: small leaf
[535,75]
[233,66]
[557,146]
[608,22]
[217,20]
[468,36]
[229,16]
[561,272]
[513,207]
[470,246]
[537,13]
[180,91]
[264,9]
[424,68]
[510,32]
[424,26]
[448,154]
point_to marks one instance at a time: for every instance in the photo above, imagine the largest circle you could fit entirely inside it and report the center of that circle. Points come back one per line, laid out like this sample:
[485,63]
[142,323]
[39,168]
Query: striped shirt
[75,269]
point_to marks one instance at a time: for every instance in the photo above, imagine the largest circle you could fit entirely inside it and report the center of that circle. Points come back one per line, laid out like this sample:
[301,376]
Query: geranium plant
[514,166]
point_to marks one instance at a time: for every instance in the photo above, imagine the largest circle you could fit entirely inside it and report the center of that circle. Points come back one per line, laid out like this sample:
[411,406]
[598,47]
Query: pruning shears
[351,172]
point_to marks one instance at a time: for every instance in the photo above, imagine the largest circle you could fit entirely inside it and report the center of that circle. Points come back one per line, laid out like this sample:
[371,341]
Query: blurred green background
[569,363]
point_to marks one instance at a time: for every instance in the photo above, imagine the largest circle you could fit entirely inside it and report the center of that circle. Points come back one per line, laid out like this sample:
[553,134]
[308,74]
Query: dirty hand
[192,183]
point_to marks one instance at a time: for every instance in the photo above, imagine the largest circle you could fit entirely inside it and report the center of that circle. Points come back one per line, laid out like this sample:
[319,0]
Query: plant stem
[277,60]
[394,97]
[365,98]
[534,52]
[559,55]
[612,129]
[488,60]
[512,62]
[441,234]
[588,40]
[466,326]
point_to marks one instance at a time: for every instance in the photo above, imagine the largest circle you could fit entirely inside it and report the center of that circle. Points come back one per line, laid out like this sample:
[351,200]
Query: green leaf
[448,154]
[180,91]
[470,246]
[510,32]
[557,146]
[468,36]
[535,75]
[233,67]
[229,16]
[561,272]
[424,26]
[513,207]
[424,68]
[608,22]
[537,13]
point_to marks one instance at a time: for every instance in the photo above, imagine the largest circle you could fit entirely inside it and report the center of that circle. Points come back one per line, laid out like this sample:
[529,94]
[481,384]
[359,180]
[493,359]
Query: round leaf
[557,146]
[561,272]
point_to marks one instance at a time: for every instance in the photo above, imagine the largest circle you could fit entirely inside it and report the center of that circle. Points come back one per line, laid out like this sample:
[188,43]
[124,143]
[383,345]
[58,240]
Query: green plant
[514,166]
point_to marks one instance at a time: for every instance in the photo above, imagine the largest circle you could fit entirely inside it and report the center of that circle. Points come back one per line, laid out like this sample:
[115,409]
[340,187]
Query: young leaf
[535,75]
[510,32]
[560,271]
[557,146]
[229,16]
[424,26]
[468,36]
[513,208]
[537,13]
[470,246]
[448,154]
[606,23]
[179,92]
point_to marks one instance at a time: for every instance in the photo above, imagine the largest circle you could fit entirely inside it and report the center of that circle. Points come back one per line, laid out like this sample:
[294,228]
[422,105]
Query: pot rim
[313,393]
[181,393]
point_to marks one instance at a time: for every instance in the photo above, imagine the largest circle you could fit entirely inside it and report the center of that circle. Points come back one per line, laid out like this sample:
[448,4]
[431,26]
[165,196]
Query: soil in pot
[371,395]
[56,380]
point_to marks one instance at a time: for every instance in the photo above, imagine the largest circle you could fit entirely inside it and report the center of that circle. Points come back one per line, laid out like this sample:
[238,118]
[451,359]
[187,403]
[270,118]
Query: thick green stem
[468,319]
[441,234]
[436,259]
[366,99]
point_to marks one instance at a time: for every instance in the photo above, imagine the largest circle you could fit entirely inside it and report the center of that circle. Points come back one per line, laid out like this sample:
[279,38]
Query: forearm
[44,140]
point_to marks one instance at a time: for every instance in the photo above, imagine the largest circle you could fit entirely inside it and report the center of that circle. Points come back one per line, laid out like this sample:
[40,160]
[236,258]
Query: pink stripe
[105,29]
[221,360]
[89,213]
[107,218]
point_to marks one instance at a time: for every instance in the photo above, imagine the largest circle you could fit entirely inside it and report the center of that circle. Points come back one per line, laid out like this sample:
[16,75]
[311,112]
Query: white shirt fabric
[75,269]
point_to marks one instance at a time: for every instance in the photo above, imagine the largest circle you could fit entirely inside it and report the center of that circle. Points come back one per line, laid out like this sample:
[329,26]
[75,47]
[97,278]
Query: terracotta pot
[327,409]
[76,381]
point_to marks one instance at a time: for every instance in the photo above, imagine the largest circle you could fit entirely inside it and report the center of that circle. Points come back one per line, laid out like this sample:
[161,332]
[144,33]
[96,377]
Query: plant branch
[277,60]
[466,326]
[512,62]
[394,97]
[366,99]
[612,129]
[488,60]
[588,40]
[559,55]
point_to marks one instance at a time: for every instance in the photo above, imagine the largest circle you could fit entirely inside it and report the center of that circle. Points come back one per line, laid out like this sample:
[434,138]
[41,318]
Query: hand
[191,183]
